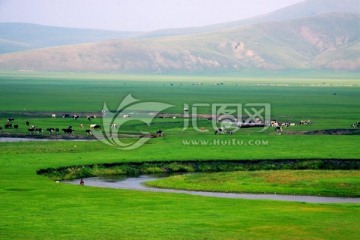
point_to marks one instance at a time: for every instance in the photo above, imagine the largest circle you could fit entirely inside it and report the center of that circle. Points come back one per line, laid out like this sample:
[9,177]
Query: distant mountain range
[314,34]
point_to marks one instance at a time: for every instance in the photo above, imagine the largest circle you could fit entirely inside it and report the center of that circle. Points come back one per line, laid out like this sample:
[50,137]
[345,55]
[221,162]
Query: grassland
[323,183]
[35,207]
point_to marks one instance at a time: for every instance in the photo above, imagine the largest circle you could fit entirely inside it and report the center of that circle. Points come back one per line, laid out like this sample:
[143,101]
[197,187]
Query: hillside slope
[15,37]
[327,41]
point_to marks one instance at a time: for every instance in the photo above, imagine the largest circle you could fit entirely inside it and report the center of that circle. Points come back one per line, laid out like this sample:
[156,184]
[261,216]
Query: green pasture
[36,207]
[323,183]
[299,98]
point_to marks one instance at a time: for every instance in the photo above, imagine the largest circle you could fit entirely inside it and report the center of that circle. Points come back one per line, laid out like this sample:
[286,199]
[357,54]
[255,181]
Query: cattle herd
[32,129]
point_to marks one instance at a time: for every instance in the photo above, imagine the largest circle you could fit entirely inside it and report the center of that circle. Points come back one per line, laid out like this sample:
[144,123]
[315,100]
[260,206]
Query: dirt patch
[355,131]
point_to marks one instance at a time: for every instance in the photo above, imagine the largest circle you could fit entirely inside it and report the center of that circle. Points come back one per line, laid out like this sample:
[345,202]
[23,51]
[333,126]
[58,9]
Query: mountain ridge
[315,41]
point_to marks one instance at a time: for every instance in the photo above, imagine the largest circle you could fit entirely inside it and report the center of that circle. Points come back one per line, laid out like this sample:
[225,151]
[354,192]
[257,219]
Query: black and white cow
[50,130]
[356,125]
[95,126]
[159,133]
[88,132]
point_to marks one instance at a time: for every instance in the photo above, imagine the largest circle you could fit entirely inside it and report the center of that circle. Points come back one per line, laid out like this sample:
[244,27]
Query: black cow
[10,119]
[16,126]
[66,115]
[27,123]
[68,131]
[31,130]
[8,125]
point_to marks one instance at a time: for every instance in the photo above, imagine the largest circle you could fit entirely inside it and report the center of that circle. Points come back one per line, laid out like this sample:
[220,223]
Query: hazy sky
[134,15]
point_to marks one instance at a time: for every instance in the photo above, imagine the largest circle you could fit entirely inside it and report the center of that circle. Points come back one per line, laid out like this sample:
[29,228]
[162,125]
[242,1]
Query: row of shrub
[138,168]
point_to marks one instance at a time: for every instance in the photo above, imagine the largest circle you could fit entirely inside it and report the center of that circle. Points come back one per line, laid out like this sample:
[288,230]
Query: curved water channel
[137,183]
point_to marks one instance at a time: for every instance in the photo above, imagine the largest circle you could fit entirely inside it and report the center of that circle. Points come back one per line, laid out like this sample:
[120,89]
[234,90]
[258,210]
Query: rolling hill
[306,36]
[16,37]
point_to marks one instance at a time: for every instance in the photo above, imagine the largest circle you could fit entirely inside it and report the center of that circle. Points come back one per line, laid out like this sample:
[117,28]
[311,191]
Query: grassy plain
[310,182]
[34,207]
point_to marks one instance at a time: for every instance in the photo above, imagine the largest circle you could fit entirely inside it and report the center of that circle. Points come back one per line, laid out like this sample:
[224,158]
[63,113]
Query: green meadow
[36,207]
[315,183]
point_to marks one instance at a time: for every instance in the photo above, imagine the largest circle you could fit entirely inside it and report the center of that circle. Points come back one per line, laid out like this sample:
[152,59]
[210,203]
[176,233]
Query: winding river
[137,183]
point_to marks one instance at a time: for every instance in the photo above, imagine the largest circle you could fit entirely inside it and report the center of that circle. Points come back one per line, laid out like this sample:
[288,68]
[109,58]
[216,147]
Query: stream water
[137,183]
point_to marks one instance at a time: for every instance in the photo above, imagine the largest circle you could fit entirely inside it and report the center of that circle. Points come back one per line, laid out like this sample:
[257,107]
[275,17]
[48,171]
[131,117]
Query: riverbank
[137,183]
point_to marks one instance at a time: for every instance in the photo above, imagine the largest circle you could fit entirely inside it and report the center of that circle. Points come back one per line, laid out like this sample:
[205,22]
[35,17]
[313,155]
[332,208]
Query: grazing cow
[27,123]
[303,122]
[88,132]
[16,126]
[68,131]
[82,125]
[278,128]
[39,130]
[285,124]
[75,117]
[113,126]
[10,119]
[53,115]
[31,130]
[8,125]
[126,116]
[95,126]
[357,124]
[90,117]
[50,130]
[274,123]
[159,133]
[219,130]
[66,115]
